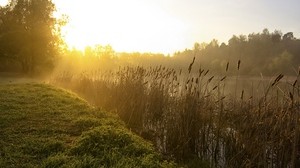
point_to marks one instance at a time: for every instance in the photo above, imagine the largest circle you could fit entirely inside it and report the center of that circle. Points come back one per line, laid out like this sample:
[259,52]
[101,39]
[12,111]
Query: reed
[188,116]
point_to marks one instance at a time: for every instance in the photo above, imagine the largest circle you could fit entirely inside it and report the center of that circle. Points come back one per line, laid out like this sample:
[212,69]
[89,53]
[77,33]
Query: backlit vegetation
[189,114]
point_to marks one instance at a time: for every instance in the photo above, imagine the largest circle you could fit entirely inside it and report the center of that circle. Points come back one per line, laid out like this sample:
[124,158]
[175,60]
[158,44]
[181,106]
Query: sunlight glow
[131,25]
[3,2]
[167,26]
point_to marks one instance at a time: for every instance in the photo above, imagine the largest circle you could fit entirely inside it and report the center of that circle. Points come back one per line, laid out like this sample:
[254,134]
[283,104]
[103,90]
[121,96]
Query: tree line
[31,42]
[266,53]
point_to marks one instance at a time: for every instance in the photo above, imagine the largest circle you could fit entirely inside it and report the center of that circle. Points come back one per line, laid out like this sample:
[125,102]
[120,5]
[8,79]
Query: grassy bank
[43,126]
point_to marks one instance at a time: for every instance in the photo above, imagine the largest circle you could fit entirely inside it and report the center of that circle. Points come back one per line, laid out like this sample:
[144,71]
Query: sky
[167,26]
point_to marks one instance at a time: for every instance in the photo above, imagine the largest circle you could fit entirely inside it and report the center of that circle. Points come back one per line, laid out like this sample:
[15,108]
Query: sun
[128,26]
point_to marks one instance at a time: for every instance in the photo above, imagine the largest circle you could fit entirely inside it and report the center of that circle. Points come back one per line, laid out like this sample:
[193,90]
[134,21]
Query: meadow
[199,118]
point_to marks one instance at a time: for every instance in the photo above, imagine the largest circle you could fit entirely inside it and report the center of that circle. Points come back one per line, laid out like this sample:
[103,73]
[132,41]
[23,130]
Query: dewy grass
[191,117]
[44,126]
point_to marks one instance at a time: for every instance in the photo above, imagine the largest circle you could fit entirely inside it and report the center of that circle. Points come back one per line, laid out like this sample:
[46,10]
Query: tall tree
[30,33]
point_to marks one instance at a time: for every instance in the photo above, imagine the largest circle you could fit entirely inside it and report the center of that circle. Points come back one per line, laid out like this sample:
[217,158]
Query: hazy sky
[170,25]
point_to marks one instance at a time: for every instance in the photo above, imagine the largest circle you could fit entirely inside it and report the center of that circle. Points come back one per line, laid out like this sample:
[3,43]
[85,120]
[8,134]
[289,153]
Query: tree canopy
[265,52]
[29,35]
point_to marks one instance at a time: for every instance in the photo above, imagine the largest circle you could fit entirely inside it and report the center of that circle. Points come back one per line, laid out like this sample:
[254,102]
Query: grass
[44,126]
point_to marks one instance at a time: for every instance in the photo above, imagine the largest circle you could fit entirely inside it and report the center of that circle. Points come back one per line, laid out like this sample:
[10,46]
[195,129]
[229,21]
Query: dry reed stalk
[188,118]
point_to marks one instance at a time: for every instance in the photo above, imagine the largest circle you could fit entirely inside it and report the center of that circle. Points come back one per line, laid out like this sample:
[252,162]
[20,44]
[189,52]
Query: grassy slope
[43,126]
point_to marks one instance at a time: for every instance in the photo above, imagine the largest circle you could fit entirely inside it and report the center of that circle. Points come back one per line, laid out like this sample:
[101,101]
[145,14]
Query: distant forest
[31,43]
[267,53]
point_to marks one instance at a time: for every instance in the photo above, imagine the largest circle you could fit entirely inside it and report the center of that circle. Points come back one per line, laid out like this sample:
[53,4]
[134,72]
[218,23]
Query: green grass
[44,126]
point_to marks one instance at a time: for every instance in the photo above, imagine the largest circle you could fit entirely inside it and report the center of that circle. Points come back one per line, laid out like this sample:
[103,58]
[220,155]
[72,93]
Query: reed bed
[189,115]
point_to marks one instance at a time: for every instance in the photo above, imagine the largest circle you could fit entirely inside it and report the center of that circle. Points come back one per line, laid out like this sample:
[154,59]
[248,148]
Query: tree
[288,36]
[30,34]
[276,36]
